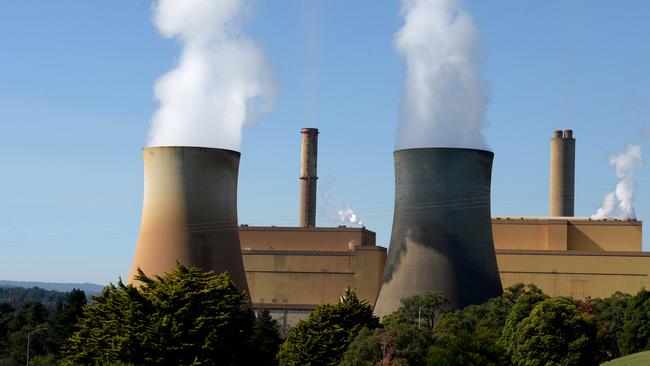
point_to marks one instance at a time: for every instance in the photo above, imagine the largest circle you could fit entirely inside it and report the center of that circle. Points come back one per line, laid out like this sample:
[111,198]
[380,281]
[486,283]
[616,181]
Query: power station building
[291,270]
[443,238]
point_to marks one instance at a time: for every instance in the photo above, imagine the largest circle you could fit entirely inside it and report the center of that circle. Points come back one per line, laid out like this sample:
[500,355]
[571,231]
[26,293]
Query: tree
[555,333]
[610,314]
[470,336]
[62,320]
[635,336]
[29,319]
[468,348]
[186,317]
[419,310]
[405,335]
[366,349]
[395,344]
[6,314]
[524,303]
[266,338]
[323,337]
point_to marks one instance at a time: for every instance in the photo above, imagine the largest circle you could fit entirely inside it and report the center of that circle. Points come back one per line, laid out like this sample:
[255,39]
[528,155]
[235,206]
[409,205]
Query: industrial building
[443,238]
[292,270]
[569,256]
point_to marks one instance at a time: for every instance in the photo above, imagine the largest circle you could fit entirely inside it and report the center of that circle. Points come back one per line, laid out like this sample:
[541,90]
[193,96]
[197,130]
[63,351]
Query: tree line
[47,318]
[192,317]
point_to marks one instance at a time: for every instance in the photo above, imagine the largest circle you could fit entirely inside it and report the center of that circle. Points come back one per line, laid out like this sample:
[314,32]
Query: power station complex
[443,237]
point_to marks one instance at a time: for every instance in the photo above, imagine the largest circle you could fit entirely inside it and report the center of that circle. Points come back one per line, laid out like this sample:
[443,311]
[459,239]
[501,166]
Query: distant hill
[17,296]
[88,288]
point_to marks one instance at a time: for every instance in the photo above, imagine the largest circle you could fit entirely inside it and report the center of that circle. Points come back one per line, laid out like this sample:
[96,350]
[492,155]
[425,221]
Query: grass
[635,359]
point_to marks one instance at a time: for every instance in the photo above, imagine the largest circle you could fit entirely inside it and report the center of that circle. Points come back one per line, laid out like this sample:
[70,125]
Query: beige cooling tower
[189,212]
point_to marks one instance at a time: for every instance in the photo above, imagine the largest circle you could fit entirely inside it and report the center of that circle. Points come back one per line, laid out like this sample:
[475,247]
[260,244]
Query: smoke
[347,215]
[329,210]
[222,81]
[621,201]
[607,208]
[444,98]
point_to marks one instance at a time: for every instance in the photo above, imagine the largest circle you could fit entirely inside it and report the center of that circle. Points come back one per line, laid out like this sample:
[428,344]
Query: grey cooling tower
[189,213]
[442,231]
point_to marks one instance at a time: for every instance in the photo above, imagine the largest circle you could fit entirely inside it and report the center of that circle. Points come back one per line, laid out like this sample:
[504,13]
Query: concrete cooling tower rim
[443,148]
[192,147]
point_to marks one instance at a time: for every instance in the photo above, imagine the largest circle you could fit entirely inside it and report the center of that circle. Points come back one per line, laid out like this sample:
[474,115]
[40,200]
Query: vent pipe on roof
[563,155]
[308,177]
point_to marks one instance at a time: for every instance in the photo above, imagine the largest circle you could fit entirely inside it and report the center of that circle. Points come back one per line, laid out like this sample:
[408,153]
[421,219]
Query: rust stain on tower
[189,212]
[563,156]
[308,177]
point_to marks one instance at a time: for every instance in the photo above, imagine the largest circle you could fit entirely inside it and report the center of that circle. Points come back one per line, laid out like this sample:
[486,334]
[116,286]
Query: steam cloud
[347,215]
[621,201]
[444,96]
[222,81]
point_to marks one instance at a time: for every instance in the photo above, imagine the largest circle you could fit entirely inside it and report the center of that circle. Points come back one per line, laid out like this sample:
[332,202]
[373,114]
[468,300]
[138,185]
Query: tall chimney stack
[308,178]
[563,157]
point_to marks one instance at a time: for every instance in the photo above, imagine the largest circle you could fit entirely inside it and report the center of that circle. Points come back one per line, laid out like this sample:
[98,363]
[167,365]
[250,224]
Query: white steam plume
[347,215]
[222,81]
[621,201]
[444,96]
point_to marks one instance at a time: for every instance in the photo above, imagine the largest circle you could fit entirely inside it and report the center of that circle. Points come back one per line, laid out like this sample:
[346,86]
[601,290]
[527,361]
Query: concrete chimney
[562,188]
[441,239]
[308,177]
[189,212]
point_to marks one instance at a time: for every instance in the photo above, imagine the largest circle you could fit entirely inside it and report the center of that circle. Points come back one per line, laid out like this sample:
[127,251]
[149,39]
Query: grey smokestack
[189,212]
[442,230]
[563,155]
[308,177]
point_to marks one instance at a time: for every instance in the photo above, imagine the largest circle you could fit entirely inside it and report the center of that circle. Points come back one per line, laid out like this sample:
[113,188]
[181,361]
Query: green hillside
[636,359]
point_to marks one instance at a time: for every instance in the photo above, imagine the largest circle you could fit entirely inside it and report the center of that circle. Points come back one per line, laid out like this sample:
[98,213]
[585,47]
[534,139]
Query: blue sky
[76,96]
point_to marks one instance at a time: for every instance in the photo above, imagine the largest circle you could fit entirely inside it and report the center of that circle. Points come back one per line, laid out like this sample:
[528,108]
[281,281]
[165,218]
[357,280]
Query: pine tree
[186,317]
[324,336]
[266,339]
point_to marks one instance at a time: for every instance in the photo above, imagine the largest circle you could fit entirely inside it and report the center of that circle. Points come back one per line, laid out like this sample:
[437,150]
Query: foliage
[47,329]
[366,349]
[472,335]
[62,321]
[635,335]
[186,317]
[198,318]
[266,338]
[554,333]
[419,310]
[610,314]
[394,344]
[17,296]
[525,302]
[323,337]
[30,318]
[475,348]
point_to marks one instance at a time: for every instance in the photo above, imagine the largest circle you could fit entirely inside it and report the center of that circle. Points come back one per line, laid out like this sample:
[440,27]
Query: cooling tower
[308,176]
[563,161]
[442,231]
[189,213]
